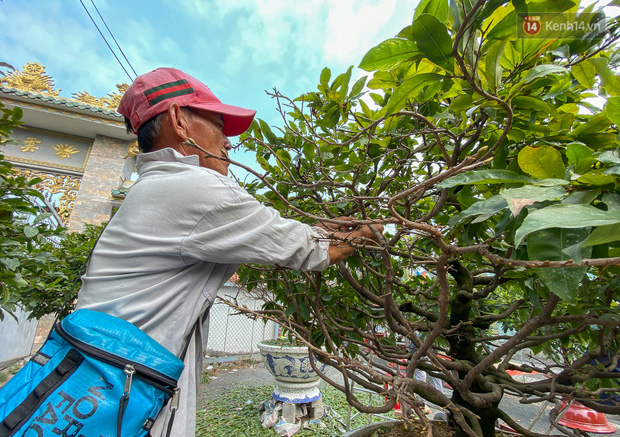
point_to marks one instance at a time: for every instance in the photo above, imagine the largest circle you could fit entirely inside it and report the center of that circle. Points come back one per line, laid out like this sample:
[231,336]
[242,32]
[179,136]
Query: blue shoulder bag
[95,376]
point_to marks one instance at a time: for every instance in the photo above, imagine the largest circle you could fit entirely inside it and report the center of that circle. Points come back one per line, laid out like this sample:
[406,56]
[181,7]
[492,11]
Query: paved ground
[221,376]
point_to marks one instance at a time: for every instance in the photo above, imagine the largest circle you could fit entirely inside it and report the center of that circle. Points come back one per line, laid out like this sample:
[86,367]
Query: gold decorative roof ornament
[133,149]
[110,102]
[32,78]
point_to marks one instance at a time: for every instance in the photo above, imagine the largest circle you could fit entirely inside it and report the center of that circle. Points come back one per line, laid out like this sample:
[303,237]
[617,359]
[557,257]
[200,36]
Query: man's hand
[346,236]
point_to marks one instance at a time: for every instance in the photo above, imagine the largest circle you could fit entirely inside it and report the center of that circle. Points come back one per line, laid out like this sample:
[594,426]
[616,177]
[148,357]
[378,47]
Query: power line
[106,41]
[112,35]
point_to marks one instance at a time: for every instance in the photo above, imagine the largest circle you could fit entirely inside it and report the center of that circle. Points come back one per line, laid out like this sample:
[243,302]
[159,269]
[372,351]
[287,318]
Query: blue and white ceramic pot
[296,381]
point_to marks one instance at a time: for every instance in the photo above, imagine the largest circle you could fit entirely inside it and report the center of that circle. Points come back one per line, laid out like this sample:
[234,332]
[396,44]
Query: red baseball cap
[152,93]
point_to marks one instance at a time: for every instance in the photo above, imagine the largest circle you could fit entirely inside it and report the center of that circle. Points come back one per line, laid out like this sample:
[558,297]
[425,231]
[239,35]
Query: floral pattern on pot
[295,380]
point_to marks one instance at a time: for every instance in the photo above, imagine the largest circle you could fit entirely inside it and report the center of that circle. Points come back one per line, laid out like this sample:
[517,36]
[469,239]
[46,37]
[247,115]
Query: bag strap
[174,401]
[24,411]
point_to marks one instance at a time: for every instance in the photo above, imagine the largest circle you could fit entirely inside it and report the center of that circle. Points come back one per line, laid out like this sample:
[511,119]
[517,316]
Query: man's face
[205,127]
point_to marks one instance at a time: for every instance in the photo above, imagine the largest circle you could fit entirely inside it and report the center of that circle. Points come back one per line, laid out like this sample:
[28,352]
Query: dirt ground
[218,377]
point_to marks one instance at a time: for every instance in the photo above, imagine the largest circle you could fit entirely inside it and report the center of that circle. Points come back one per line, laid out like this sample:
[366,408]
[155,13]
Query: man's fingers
[364,230]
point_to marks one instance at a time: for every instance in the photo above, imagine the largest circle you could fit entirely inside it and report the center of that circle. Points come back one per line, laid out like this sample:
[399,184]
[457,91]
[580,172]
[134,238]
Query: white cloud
[297,39]
[271,36]
[352,27]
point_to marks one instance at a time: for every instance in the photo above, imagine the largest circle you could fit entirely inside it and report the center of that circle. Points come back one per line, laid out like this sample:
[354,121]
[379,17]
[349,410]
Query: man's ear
[177,120]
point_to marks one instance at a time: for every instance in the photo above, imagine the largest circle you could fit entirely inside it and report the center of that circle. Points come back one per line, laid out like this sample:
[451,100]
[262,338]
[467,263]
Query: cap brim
[236,120]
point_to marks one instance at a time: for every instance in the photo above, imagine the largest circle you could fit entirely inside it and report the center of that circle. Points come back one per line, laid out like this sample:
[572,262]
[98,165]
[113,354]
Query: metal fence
[234,336]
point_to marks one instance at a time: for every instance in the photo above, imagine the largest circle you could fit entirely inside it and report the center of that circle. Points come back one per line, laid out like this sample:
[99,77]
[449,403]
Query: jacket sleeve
[241,230]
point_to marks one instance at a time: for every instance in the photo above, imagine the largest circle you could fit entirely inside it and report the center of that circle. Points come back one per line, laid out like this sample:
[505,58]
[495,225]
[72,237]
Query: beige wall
[103,172]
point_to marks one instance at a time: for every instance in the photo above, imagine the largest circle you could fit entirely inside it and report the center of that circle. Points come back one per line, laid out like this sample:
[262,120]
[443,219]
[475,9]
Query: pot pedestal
[297,393]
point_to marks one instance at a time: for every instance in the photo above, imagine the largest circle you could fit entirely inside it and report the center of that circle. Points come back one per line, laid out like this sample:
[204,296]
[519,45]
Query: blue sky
[240,48]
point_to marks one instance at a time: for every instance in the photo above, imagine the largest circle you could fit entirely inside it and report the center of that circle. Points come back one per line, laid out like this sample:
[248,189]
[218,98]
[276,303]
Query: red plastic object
[579,416]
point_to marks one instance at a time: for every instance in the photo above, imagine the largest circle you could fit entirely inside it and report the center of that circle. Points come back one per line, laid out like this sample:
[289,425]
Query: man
[184,228]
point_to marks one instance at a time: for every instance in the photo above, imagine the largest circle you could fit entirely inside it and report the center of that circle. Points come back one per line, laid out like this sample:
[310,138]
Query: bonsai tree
[486,142]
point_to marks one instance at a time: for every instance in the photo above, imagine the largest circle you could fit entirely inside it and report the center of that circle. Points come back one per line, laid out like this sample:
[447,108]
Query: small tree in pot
[479,149]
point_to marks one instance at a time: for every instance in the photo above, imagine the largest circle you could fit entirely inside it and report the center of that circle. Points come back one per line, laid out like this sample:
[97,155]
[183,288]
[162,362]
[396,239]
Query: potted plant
[289,363]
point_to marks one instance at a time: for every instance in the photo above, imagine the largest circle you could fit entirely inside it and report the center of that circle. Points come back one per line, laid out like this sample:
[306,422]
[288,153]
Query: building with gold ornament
[80,149]
[78,146]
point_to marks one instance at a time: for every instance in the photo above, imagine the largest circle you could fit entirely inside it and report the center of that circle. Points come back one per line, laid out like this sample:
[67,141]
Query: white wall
[16,337]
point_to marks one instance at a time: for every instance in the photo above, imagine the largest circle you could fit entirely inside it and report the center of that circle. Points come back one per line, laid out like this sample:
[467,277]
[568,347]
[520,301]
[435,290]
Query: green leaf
[612,109]
[493,70]
[584,72]
[577,152]
[285,157]
[304,311]
[517,198]
[599,141]
[526,102]
[30,231]
[266,130]
[18,113]
[484,177]
[585,165]
[461,103]
[581,197]
[490,8]
[357,87]
[326,74]
[438,9]
[342,83]
[595,124]
[388,54]
[381,80]
[610,157]
[565,217]
[19,281]
[613,170]
[551,182]
[506,28]
[409,89]
[10,263]
[484,208]
[41,217]
[433,41]
[543,70]
[541,162]
[603,235]
[549,245]
[597,178]
[608,79]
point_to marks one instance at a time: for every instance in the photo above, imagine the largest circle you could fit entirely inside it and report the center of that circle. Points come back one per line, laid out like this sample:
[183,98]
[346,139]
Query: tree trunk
[463,348]
[487,416]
